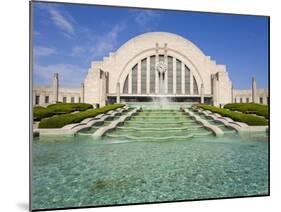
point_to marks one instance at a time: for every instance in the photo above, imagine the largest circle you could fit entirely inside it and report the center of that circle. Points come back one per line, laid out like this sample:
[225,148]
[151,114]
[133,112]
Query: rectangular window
[170,74]
[143,76]
[235,100]
[152,74]
[178,76]
[37,100]
[261,100]
[135,79]
[64,99]
[72,100]
[187,80]
[79,99]
[47,99]
[241,100]
[247,100]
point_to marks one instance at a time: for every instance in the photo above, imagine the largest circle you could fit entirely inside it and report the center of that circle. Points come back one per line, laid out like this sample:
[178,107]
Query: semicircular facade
[154,65]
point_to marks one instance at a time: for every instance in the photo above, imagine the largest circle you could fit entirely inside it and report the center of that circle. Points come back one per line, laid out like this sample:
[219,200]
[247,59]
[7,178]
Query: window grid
[135,79]
[178,78]
[143,76]
[195,86]
[187,80]
[152,74]
[170,74]
[143,68]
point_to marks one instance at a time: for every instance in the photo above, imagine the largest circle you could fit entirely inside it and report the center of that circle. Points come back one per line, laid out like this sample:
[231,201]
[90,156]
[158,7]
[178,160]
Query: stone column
[182,78]
[56,87]
[130,82]
[103,95]
[156,72]
[148,75]
[202,93]
[166,72]
[118,93]
[232,94]
[139,78]
[174,75]
[82,92]
[254,90]
[215,90]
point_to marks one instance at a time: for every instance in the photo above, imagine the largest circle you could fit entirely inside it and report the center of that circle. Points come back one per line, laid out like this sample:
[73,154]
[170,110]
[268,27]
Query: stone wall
[246,96]
[46,95]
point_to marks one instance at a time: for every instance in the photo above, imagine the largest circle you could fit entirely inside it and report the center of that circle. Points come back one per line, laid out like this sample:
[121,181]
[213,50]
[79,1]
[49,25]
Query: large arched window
[146,70]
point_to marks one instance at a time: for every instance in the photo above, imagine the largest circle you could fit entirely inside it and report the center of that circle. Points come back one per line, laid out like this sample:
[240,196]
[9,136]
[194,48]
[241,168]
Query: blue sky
[67,37]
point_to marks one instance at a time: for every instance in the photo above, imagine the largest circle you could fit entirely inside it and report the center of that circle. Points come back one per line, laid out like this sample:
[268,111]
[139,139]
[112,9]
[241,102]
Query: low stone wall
[71,129]
[216,130]
[103,130]
[228,122]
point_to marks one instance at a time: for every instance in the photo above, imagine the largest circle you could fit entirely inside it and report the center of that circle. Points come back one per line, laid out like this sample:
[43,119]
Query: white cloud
[106,42]
[70,75]
[144,18]
[61,22]
[77,51]
[43,51]
[61,19]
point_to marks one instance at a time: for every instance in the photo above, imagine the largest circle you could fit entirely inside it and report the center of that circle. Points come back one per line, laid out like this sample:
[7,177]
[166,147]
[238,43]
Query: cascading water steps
[159,125]
[98,125]
[225,129]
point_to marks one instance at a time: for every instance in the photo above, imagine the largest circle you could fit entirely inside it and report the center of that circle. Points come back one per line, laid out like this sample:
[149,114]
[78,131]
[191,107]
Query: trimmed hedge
[258,109]
[69,107]
[59,108]
[41,112]
[62,120]
[251,120]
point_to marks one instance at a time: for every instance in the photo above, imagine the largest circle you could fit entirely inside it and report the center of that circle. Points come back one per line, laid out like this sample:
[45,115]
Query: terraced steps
[159,125]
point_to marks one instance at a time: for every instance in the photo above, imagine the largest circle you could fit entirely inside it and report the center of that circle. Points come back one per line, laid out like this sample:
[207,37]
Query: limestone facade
[44,96]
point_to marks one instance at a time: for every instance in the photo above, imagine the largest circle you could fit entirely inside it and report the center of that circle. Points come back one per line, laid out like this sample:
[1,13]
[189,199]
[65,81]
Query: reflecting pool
[158,155]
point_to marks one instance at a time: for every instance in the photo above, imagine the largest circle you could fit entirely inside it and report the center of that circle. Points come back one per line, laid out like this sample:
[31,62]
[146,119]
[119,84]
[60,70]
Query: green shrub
[258,109]
[68,107]
[62,120]
[251,120]
[41,112]
[58,108]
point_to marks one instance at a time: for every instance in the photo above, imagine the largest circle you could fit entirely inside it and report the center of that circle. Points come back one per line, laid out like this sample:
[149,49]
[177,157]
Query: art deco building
[152,66]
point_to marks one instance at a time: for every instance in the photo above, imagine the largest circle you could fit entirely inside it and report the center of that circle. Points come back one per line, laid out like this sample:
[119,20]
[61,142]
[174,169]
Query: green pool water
[157,155]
